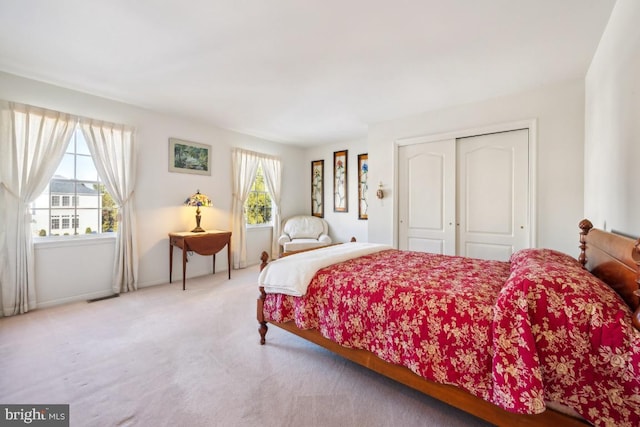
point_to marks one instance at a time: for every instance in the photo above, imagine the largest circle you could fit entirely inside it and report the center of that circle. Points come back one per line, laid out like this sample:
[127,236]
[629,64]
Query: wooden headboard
[615,260]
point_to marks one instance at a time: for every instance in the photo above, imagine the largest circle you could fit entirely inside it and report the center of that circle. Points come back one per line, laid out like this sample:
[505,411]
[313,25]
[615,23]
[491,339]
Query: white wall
[559,110]
[71,271]
[159,193]
[342,225]
[612,120]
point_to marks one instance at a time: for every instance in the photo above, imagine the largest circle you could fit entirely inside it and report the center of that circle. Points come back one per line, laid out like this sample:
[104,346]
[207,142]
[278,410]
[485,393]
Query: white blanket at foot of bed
[292,274]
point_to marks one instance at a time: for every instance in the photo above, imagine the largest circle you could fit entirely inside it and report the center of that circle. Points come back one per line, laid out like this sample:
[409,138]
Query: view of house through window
[74,202]
[258,204]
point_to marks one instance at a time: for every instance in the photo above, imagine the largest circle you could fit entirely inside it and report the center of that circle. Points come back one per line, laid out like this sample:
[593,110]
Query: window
[258,205]
[75,201]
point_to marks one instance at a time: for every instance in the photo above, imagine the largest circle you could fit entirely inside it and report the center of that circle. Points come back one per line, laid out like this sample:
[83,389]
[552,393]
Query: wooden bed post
[585,225]
[260,314]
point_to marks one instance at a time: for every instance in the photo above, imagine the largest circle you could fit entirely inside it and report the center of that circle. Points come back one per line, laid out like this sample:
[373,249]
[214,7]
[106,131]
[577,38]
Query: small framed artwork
[189,157]
[340,200]
[363,185]
[317,188]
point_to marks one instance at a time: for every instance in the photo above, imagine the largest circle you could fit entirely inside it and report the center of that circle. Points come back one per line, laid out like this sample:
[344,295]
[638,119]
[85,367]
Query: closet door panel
[488,175]
[426,197]
[492,194]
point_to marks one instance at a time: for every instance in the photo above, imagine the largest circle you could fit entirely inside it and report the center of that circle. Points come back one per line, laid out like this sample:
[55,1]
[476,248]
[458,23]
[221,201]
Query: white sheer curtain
[113,151]
[272,169]
[243,171]
[32,143]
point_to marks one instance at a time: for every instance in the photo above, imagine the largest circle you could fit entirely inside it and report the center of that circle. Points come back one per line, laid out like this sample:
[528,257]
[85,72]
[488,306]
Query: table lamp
[198,200]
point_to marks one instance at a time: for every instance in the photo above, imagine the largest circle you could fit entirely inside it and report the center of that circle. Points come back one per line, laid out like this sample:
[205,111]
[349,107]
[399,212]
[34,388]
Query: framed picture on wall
[340,199]
[363,185]
[317,188]
[189,157]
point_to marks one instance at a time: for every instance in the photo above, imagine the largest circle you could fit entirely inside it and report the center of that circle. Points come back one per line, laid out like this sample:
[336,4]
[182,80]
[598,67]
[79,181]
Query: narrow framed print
[317,188]
[340,187]
[363,185]
[189,157]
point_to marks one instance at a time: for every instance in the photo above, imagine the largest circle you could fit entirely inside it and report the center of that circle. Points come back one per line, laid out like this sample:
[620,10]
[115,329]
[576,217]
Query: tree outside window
[258,204]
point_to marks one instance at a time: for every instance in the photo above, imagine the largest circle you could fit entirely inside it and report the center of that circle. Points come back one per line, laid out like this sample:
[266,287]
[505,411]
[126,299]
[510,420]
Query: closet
[465,196]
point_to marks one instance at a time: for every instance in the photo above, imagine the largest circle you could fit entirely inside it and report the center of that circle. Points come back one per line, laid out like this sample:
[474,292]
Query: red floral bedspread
[515,334]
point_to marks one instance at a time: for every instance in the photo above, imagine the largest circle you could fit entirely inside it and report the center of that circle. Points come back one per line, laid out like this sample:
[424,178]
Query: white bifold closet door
[426,197]
[466,196]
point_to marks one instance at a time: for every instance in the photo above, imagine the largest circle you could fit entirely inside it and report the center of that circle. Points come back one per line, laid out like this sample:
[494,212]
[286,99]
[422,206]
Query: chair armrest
[324,239]
[284,239]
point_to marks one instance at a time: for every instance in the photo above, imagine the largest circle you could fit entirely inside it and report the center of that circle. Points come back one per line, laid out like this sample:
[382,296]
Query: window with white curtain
[258,205]
[74,202]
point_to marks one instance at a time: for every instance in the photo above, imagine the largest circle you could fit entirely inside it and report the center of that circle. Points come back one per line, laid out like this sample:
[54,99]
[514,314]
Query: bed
[544,338]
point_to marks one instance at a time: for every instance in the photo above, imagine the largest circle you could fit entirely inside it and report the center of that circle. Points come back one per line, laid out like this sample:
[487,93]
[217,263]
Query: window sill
[258,226]
[79,240]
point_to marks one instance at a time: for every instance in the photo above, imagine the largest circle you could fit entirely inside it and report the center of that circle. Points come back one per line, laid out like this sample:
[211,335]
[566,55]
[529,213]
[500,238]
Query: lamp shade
[198,199]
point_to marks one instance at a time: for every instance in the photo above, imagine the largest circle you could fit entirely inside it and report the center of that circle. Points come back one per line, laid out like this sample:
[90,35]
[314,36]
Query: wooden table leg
[229,258]
[170,259]
[184,266]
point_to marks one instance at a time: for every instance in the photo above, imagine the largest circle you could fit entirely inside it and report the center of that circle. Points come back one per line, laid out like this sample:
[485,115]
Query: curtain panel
[32,143]
[113,151]
[244,166]
[272,168]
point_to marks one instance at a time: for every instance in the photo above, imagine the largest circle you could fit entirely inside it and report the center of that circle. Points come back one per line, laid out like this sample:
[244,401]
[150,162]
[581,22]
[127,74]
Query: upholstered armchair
[304,232]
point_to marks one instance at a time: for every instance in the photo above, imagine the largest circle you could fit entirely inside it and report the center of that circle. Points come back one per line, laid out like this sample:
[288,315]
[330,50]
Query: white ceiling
[304,72]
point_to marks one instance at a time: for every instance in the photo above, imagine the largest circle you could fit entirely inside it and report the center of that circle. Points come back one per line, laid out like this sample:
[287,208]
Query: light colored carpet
[166,357]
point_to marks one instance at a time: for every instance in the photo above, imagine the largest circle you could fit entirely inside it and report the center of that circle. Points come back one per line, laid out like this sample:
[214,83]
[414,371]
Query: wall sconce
[380,193]
[198,200]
